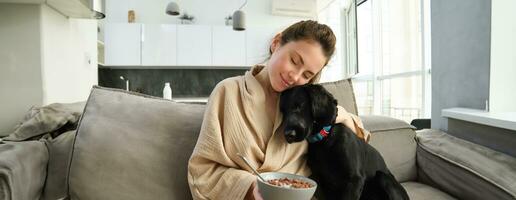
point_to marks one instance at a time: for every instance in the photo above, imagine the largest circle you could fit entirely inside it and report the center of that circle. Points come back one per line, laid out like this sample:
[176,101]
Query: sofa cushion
[394,139]
[55,119]
[343,91]
[419,191]
[22,169]
[464,169]
[59,150]
[133,146]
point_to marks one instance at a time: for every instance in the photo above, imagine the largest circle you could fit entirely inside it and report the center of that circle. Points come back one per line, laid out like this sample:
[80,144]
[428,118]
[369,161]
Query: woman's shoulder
[227,86]
[229,83]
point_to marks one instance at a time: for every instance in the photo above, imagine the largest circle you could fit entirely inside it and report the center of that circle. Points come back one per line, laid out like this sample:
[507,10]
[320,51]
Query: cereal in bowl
[289,183]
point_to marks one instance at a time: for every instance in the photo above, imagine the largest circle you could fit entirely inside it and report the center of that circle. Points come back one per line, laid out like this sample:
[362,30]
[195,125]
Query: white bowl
[273,192]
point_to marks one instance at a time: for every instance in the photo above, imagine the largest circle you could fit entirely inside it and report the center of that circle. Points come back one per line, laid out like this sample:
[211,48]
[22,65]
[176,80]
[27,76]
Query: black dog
[344,166]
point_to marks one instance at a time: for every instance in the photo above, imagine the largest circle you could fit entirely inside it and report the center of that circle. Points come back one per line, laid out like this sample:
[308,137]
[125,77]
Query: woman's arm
[343,117]
[209,179]
[353,122]
[212,174]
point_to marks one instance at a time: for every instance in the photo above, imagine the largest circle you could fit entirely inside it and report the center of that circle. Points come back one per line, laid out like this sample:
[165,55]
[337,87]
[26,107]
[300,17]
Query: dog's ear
[284,100]
[324,105]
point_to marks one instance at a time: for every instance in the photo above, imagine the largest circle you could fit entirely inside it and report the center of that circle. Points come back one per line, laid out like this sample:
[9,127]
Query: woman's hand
[253,193]
[343,117]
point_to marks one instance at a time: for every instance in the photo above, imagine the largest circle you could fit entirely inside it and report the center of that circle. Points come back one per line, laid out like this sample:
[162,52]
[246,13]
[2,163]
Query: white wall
[69,57]
[42,60]
[502,90]
[20,62]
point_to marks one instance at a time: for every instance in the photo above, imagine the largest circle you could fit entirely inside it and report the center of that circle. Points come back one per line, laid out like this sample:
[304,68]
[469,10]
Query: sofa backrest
[132,146]
[343,91]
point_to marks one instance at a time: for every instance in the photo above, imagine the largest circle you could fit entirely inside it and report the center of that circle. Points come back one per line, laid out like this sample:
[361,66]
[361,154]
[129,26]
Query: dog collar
[319,136]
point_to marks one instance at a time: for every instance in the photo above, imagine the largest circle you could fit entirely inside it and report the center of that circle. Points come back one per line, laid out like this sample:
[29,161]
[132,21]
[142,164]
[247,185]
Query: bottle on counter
[167,91]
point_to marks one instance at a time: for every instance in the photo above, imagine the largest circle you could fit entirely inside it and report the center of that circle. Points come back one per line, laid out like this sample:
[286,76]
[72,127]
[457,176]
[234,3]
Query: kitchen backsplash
[184,82]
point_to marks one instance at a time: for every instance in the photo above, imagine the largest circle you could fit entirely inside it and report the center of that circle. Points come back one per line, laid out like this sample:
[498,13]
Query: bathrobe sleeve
[212,174]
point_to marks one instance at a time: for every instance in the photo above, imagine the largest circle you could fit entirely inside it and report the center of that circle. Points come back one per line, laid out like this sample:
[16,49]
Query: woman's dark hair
[313,31]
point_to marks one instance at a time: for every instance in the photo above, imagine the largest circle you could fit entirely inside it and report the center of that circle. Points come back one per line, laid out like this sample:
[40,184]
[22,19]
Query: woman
[242,116]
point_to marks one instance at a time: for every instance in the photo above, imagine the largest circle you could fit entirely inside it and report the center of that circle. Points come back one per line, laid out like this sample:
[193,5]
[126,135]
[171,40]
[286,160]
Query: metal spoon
[250,166]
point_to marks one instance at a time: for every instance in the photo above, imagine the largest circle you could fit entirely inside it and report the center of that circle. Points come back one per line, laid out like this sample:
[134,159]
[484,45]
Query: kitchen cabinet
[122,44]
[228,46]
[159,44]
[194,45]
[167,45]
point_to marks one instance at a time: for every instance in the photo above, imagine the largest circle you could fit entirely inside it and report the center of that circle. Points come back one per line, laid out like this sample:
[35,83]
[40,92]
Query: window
[393,76]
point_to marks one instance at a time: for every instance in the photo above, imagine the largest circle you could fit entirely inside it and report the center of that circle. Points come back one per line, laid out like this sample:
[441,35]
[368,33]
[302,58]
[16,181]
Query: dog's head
[306,110]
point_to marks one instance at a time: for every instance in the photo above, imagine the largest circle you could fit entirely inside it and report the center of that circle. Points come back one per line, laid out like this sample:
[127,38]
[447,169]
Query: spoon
[250,166]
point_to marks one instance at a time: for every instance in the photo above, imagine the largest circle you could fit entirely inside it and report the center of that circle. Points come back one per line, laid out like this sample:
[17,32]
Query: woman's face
[294,63]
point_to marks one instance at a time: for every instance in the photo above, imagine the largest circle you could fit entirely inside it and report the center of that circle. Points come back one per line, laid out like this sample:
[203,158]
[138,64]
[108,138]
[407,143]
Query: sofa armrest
[23,168]
[394,139]
[463,169]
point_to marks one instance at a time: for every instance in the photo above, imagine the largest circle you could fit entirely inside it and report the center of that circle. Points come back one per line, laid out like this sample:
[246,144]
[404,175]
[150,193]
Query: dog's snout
[290,135]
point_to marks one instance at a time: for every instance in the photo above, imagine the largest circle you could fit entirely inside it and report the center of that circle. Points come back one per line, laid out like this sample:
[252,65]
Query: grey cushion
[418,191]
[131,146]
[398,149]
[394,139]
[376,123]
[54,118]
[22,169]
[343,91]
[59,150]
[464,169]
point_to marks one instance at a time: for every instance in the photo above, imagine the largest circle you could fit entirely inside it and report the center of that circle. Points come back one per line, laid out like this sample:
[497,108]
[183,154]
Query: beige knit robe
[235,121]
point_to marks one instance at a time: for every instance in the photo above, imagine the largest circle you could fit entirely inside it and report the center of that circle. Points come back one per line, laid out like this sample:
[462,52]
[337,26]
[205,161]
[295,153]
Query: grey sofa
[132,146]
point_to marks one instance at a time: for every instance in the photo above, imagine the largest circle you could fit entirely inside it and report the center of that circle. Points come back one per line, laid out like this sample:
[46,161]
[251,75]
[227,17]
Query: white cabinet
[258,41]
[228,46]
[122,44]
[194,45]
[159,45]
[131,44]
